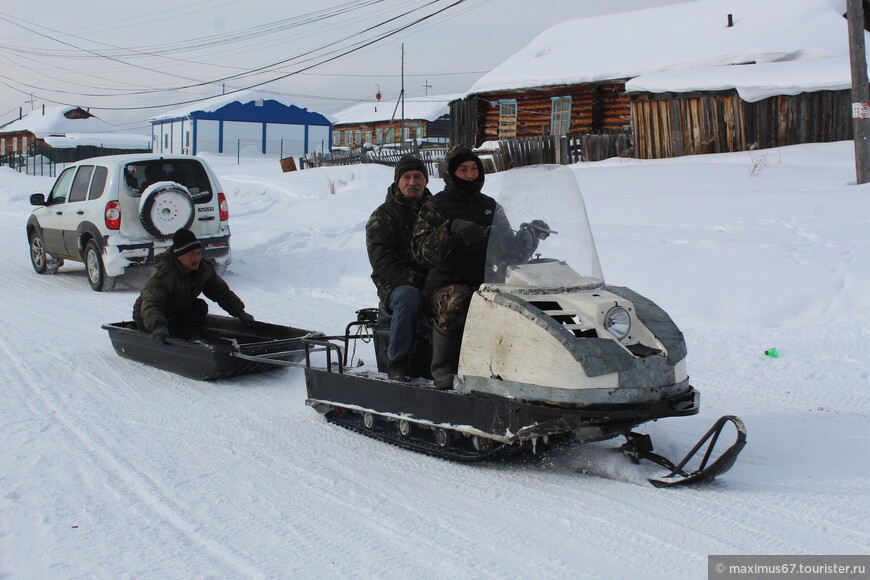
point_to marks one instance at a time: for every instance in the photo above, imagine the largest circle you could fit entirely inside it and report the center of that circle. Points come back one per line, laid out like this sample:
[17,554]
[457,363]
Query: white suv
[119,211]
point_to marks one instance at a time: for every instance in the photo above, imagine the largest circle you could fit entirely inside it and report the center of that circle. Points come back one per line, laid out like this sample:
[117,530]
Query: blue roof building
[244,123]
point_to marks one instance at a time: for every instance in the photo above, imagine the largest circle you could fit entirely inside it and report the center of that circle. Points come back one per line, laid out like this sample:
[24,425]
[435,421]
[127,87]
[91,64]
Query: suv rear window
[188,172]
[98,183]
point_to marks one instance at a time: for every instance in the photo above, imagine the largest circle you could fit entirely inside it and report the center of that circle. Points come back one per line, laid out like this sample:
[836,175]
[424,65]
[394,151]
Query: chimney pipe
[730,20]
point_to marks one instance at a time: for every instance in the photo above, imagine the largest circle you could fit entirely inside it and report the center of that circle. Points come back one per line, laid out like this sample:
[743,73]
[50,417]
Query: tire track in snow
[118,472]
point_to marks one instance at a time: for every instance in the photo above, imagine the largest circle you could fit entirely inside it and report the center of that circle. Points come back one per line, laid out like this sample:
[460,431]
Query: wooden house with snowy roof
[695,77]
[64,134]
[424,119]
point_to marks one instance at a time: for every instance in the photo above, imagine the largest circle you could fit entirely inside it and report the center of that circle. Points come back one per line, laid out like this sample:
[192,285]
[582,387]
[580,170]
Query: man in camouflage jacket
[169,305]
[450,236]
[398,277]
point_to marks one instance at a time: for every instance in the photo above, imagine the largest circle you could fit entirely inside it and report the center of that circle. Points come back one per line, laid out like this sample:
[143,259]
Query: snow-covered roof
[674,37]
[213,104]
[425,108]
[752,82]
[52,121]
[106,140]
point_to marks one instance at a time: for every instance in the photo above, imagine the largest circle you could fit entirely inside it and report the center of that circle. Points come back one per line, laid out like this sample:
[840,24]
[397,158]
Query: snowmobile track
[385,431]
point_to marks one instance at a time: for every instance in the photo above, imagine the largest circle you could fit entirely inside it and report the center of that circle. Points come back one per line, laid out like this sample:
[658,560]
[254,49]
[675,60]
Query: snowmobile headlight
[617,322]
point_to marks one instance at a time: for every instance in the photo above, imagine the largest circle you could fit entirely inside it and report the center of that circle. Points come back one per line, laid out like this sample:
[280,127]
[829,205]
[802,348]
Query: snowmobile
[549,352]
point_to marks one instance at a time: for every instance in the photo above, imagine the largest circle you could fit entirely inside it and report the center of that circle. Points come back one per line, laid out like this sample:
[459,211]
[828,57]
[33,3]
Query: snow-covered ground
[110,469]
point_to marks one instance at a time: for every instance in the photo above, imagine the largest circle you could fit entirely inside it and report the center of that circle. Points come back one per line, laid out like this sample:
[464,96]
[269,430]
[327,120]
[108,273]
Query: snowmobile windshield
[540,238]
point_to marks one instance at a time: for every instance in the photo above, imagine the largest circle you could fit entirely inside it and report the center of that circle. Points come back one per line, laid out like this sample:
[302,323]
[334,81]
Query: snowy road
[110,469]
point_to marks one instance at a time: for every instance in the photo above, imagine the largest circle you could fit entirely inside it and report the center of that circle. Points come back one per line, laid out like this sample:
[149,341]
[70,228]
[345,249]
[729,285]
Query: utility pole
[427,86]
[402,94]
[860,90]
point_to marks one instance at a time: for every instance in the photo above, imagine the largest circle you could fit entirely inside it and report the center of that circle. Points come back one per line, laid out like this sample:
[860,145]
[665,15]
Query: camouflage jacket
[388,241]
[171,290]
[449,260]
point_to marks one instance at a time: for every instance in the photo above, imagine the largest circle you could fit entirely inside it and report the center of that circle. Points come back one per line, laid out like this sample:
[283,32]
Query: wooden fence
[390,156]
[562,150]
[508,153]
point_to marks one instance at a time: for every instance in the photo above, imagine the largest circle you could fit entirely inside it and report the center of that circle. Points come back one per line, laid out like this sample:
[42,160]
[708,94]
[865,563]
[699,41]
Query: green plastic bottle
[772,353]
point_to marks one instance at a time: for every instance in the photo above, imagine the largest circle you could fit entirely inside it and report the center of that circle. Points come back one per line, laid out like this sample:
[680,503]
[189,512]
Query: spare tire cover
[165,208]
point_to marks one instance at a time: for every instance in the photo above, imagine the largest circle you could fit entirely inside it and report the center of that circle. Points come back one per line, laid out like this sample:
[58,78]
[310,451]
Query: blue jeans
[405,305]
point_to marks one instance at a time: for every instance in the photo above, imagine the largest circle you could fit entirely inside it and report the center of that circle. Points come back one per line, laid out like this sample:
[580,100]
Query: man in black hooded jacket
[451,237]
[398,276]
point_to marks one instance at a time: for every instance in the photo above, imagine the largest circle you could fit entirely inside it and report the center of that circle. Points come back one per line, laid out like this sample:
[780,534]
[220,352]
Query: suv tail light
[113,215]
[223,207]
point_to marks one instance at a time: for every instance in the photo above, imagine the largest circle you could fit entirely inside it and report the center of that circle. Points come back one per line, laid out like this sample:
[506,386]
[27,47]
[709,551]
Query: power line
[327,57]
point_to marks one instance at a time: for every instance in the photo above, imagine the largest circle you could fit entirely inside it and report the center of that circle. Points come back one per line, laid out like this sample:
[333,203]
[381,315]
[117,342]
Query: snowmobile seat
[421,357]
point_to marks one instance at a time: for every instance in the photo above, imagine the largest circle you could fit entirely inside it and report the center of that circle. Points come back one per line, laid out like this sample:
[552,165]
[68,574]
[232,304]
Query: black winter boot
[445,358]
[398,370]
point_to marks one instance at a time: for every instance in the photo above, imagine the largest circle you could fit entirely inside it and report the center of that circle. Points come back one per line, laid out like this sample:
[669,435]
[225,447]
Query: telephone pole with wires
[860,90]
[402,96]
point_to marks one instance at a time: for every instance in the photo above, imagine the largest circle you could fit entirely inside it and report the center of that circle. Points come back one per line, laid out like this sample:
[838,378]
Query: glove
[470,232]
[160,334]
[246,318]
[539,228]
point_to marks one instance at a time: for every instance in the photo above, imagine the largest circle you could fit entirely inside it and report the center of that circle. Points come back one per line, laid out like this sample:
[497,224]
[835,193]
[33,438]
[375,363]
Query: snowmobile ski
[639,447]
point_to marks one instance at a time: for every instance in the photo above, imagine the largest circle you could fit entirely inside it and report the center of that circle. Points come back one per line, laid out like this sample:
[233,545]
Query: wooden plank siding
[670,125]
[595,107]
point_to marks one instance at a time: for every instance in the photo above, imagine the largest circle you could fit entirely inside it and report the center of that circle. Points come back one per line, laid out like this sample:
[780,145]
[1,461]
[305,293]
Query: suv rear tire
[96,270]
[165,209]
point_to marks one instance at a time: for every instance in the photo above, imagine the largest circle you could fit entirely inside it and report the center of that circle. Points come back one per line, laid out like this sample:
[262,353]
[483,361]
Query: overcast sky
[125,60]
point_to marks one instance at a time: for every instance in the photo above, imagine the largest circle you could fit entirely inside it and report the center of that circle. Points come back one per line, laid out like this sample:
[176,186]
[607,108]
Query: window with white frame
[507,118]
[379,135]
[560,118]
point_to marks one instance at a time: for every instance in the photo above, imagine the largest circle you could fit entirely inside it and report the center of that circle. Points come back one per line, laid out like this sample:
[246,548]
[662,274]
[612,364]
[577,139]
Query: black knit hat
[460,156]
[184,241]
[410,163]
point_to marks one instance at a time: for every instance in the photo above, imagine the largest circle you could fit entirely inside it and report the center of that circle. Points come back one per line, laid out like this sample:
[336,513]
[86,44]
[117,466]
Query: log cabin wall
[595,108]
[670,125]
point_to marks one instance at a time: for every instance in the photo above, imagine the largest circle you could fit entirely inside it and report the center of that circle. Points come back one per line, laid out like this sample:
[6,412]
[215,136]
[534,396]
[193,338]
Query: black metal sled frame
[639,447]
[225,348]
